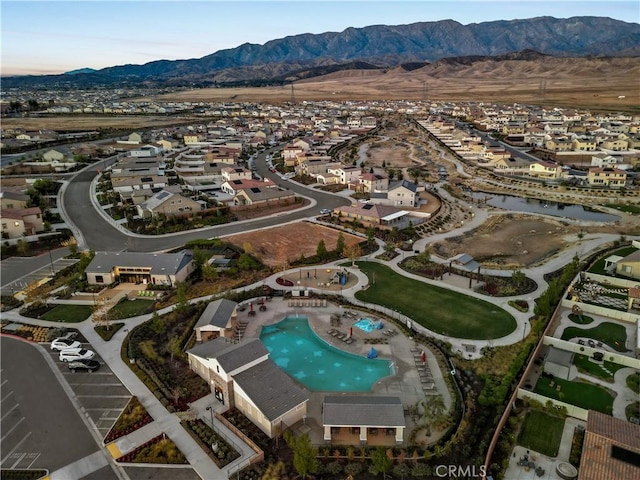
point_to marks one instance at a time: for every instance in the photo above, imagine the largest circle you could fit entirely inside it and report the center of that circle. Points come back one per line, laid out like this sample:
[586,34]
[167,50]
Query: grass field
[541,433]
[130,308]
[68,313]
[610,333]
[598,267]
[437,309]
[580,394]
[580,319]
[584,364]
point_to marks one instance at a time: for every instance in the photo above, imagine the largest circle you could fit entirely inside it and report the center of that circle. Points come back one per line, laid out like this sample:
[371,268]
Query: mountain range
[374,47]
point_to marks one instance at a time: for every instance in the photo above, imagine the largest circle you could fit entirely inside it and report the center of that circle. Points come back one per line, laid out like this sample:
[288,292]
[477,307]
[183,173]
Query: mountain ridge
[381,46]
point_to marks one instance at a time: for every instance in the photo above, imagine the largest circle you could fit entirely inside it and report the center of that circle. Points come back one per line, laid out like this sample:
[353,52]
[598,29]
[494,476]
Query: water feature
[367,324]
[297,350]
[545,207]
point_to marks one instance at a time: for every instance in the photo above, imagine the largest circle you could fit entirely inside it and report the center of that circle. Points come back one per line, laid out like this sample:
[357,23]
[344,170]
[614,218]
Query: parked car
[71,354]
[61,343]
[325,211]
[88,365]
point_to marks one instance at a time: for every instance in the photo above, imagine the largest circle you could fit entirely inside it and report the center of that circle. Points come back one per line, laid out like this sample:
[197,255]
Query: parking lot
[100,393]
[41,427]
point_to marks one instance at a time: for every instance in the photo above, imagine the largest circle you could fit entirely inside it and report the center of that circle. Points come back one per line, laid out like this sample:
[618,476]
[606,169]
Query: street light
[210,414]
[53,273]
[524,330]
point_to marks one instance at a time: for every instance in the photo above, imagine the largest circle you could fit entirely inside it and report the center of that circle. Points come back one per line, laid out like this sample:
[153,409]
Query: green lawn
[130,308]
[580,319]
[633,382]
[435,308]
[598,267]
[541,433]
[625,208]
[584,364]
[580,394]
[610,333]
[68,313]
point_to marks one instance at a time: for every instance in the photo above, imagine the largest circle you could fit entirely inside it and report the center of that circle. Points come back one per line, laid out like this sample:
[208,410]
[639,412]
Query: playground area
[332,279]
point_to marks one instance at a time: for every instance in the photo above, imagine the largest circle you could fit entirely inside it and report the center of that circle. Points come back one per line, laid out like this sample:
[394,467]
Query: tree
[247,262]
[22,247]
[182,304]
[340,244]
[304,454]
[199,260]
[321,250]
[352,252]
[381,463]
[518,277]
[209,273]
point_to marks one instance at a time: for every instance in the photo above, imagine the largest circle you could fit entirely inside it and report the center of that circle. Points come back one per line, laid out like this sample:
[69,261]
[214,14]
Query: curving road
[99,234]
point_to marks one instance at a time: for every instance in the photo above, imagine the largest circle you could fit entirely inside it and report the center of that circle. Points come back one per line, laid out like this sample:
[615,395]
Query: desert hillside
[599,83]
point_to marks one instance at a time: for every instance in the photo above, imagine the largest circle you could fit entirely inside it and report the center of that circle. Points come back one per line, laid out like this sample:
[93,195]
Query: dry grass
[278,245]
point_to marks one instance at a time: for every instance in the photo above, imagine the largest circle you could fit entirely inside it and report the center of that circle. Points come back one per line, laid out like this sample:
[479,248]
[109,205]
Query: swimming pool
[368,324]
[320,367]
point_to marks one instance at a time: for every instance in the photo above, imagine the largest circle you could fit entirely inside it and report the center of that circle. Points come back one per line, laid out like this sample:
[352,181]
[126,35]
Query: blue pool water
[320,367]
[367,324]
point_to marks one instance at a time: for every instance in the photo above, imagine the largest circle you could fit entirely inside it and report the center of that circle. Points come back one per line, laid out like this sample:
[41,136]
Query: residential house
[348,175]
[372,182]
[377,215]
[135,137]
[13,200]
[241,375]
[559,144]
[232,187]
[614,143]
[402,193]
[169,204]
[263,197]
[547,170]
[134,267]
[219,319]
[606,177]
[18,222]
[629,266]
[229,174]
[584,143]
[610,450]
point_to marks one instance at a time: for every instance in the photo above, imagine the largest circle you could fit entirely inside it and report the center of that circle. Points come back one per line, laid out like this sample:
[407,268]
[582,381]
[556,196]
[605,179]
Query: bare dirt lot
[510,240]
[279,245]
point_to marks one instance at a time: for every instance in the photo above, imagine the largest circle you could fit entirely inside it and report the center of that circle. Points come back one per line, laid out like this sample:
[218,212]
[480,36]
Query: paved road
[41,428]
[18,272]
[99,234]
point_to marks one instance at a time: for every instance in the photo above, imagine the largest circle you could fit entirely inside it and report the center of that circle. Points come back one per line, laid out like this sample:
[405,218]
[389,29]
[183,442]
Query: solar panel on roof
[237,182]
[367,206]
[255,190]
[146,179]
[162,195]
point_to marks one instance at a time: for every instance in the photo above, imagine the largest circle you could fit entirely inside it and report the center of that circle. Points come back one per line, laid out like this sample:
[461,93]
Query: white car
[325,211]
[72,354]
[61,343]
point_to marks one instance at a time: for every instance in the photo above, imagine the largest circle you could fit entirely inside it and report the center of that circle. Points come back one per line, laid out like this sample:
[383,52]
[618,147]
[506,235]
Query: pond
[544,207]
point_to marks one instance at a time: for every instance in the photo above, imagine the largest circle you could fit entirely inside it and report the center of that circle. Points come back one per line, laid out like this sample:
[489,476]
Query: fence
[572,410]
[586,350]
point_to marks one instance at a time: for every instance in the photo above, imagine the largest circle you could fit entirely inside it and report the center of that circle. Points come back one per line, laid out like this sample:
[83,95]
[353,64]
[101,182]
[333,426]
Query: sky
[50,37]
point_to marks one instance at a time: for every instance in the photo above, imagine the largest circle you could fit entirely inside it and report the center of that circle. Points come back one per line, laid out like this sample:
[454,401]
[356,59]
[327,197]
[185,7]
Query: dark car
[84,364]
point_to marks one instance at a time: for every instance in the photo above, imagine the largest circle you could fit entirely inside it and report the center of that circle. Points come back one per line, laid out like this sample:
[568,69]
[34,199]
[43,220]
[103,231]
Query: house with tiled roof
[260,196]
[169,204]
[242,375]
[606,177]
[611,449]
[18,222]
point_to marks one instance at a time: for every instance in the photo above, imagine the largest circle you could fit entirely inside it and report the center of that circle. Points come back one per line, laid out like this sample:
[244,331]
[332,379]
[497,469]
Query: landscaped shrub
[20,474]
[132,418]
[221,452]
[160,449]
[107,332]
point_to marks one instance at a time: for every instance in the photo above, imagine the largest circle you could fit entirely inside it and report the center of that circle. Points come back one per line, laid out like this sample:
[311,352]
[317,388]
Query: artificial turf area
[580,394]
[435,308]
[541,433]
[130,308]
[68,313]
[612,334]
[607,373]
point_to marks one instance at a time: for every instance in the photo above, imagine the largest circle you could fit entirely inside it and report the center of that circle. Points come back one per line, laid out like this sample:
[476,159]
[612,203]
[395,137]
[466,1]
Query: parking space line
[7,396]
[34,460]
[19,460]
[16,447]
[2,384]
[15,425]
[10,410]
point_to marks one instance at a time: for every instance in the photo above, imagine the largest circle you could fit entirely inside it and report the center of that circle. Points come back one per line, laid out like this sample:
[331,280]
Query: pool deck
[410,377]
